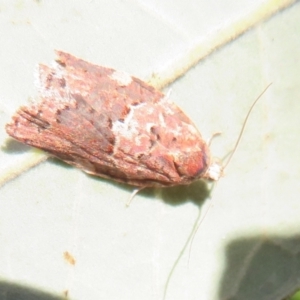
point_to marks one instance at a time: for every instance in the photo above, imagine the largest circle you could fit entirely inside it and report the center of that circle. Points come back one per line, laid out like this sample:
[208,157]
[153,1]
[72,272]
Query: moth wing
[112,125]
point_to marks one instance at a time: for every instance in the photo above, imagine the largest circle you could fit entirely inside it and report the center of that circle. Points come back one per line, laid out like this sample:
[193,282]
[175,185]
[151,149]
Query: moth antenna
[226,164]
[243,127]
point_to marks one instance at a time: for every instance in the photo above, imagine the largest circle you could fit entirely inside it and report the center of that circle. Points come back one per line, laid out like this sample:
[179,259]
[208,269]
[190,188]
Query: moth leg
[135,191]
[212,137]
[168,94]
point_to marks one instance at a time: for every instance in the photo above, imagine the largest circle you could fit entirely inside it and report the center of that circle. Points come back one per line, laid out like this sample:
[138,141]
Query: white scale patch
[52,94]
[162,121]
[122,78]
[129,128]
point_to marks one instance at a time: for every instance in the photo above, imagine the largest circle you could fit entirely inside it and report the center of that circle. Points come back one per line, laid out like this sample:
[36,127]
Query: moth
[110,124]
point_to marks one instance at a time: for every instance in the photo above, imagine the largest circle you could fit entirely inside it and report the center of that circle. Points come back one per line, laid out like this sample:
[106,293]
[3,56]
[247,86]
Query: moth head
[214,171]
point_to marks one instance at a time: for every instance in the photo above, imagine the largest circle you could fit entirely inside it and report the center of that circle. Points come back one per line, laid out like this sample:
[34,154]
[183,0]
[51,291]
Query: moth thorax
[214,171]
